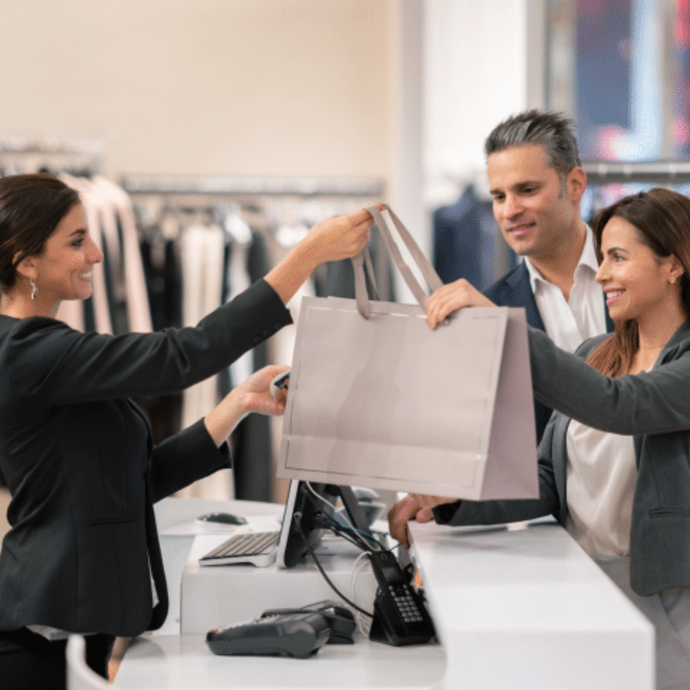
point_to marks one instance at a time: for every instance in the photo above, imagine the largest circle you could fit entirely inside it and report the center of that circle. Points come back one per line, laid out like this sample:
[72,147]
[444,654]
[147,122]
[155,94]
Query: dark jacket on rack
[464,240]
[252,449]
[80,464]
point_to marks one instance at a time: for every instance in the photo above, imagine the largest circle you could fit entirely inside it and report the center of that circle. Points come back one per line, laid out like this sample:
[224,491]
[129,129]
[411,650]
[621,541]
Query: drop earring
[34,289]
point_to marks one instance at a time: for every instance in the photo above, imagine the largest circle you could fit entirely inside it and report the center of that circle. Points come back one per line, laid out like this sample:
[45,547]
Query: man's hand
[399,515]
[412,507]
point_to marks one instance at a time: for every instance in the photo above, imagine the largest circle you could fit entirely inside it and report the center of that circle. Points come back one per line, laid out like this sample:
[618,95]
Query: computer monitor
[309,507]
[303,520]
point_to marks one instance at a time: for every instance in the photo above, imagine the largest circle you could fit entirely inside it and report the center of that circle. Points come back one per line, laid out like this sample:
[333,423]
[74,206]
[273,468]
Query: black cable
[363,538]
[323,572]
[346,533]
[341,527]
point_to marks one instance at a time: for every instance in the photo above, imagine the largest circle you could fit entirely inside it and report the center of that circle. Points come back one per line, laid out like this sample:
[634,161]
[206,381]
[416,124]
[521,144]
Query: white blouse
[601,477]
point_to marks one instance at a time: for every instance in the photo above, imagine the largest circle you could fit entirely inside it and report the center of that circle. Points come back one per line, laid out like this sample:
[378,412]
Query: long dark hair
[31,207]
[662,220]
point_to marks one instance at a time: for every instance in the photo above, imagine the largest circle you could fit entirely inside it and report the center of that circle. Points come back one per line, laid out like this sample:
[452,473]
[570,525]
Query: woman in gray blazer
[82,554]
[614,462]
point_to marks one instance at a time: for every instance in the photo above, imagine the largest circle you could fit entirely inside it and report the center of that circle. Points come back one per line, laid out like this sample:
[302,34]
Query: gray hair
[553,130]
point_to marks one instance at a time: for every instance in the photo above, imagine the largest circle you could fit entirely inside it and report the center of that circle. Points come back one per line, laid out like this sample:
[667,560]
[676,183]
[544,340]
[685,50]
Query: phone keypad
[405,603]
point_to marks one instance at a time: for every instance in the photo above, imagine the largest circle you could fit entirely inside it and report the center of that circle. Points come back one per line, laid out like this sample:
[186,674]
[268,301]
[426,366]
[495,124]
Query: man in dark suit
[536,181]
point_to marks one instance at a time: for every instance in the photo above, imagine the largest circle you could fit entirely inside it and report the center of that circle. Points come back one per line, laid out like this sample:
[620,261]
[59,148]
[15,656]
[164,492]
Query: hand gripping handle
[363,260]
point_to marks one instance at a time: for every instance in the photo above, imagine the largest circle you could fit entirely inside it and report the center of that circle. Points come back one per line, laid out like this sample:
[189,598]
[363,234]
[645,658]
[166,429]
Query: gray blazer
[654,408]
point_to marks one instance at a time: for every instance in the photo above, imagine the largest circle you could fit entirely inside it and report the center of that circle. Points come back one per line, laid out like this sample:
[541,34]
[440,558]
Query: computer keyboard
[257,548]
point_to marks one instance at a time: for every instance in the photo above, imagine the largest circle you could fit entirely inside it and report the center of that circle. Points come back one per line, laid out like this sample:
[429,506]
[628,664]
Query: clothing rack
[218,185]
[613,172]
[267,203]
[23,155]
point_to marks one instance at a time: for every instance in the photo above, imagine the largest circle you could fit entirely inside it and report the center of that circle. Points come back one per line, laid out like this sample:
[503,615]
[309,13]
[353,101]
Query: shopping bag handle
[363,260]
[364,269]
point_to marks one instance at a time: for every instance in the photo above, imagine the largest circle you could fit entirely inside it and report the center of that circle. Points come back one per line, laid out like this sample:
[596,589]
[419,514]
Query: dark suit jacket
[514,290]
[80,464]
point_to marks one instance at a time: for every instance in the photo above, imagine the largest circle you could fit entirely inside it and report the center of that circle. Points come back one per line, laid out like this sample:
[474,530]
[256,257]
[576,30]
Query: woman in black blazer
[82,554]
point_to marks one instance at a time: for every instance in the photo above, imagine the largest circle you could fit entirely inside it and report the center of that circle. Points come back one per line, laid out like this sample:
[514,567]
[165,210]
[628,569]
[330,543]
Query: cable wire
[323,572]
[354,535]
[363,622]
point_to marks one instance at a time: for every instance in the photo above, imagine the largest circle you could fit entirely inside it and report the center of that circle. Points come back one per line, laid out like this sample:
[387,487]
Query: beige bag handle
[363,260]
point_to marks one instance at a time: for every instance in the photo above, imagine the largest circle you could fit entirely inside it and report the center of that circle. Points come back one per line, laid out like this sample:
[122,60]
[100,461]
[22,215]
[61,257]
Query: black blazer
[79,461]
[515,290]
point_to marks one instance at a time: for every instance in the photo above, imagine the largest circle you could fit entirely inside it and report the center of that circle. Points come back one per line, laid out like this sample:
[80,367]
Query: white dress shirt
[569,322]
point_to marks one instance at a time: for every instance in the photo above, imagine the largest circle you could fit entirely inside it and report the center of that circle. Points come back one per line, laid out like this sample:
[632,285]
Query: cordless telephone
[400,617]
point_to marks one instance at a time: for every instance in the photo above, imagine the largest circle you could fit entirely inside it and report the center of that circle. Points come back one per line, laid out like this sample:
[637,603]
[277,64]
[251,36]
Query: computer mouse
[223,518]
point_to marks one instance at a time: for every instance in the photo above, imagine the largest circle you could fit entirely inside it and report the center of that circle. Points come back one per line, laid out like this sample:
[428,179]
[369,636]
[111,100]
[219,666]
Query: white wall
[459,67]
[246,87]
[476,75]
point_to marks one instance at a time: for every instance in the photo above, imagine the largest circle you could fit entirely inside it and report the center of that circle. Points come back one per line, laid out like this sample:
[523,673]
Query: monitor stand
[349,500]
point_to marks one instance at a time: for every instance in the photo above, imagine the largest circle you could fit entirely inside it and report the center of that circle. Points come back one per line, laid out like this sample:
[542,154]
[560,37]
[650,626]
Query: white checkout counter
[515,607]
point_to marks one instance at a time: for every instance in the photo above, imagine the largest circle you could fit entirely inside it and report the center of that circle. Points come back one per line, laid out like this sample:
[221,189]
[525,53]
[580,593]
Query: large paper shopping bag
[378,399]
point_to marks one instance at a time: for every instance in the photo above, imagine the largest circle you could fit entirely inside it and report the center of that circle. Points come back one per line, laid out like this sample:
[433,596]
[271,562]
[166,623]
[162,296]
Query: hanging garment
[202,270]
[467,241]
[252,441]
[120,229]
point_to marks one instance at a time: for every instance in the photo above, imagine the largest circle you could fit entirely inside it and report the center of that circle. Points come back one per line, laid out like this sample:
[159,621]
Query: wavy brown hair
[662,220]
